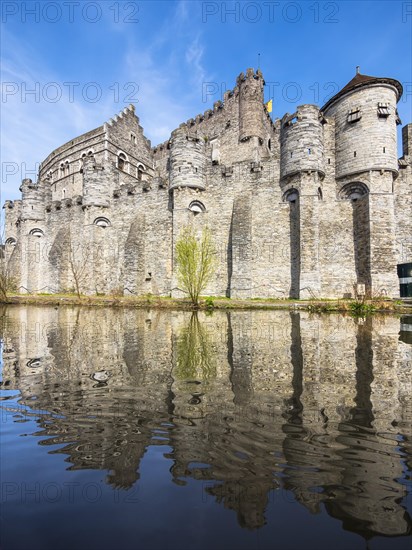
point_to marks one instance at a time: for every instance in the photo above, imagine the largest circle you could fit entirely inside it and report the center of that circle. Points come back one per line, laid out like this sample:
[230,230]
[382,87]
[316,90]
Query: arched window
[36,233]
[67,167]
[121,161]
[320,194]
[50,175]
[140,171]
[102,222]
[81,162]
[90,153]
[353,191]
[11,241]
[63,193]
[292,195]
[61,170]
[196,207]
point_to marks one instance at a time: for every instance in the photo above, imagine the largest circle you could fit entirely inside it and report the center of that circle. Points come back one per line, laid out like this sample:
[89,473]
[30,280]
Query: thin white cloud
[158,64]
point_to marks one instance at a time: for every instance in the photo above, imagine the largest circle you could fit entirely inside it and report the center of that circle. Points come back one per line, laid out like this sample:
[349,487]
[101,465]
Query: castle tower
[187,160]
[95,183]
[33,236]
[187,181]
[32,201]
[366,168]
[302,142]
[250,105]
[302,173]
[12,216]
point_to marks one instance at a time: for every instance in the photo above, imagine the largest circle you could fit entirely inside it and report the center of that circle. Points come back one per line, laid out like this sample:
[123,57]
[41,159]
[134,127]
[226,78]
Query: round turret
[32,200]
[301,142]
[187,159]
[250,105]
[365,124]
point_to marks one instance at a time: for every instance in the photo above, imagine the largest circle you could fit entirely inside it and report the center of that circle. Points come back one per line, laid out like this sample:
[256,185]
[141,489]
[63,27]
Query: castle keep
[316,204]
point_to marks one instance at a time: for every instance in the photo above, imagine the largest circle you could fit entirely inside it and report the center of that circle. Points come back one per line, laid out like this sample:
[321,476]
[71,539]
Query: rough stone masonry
[316,204]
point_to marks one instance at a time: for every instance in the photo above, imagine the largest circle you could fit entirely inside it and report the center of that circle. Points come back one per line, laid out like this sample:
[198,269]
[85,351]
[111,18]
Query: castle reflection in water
[250,403]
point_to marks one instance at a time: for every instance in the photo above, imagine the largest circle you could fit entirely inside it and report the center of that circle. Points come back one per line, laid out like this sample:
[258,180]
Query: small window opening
[384,149]
[196,207]
[101,222]
[121,161]
[36,233]
[383,110]
[354,115]
[354,153]
[133,138]
[328,161]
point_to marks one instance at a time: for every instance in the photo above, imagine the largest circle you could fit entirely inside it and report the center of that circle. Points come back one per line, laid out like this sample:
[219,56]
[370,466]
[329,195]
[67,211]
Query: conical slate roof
[360,81]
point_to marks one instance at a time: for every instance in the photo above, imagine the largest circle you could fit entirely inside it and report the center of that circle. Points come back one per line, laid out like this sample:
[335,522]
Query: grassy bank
[211,303]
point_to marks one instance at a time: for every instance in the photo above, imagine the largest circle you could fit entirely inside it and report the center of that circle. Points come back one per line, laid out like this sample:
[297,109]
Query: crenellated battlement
[221,108]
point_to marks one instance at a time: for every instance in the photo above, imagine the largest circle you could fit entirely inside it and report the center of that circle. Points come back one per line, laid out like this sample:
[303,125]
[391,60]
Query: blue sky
[174,59]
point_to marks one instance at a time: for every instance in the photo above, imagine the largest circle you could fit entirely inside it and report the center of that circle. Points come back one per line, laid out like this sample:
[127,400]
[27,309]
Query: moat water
[172,430]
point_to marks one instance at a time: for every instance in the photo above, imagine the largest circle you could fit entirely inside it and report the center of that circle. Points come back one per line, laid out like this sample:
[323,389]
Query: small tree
[78,258]
[195,259]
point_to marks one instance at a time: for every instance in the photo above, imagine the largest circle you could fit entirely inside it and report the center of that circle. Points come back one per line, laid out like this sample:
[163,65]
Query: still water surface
[150,429]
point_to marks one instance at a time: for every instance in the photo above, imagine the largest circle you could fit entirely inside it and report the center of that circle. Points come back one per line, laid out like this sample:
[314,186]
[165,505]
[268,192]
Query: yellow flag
[269,106]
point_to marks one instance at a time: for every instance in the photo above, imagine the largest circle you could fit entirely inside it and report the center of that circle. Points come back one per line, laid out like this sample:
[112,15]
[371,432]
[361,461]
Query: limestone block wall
[73,242]
[403,200]
[382,242]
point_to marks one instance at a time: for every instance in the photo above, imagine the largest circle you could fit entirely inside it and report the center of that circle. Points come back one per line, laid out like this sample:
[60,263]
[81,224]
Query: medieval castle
[316,204]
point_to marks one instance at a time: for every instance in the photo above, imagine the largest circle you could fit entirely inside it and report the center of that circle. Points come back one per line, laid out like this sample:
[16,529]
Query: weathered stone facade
[315,204]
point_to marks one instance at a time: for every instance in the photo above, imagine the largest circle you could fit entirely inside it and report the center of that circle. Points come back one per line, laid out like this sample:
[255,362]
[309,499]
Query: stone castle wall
[293,210]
